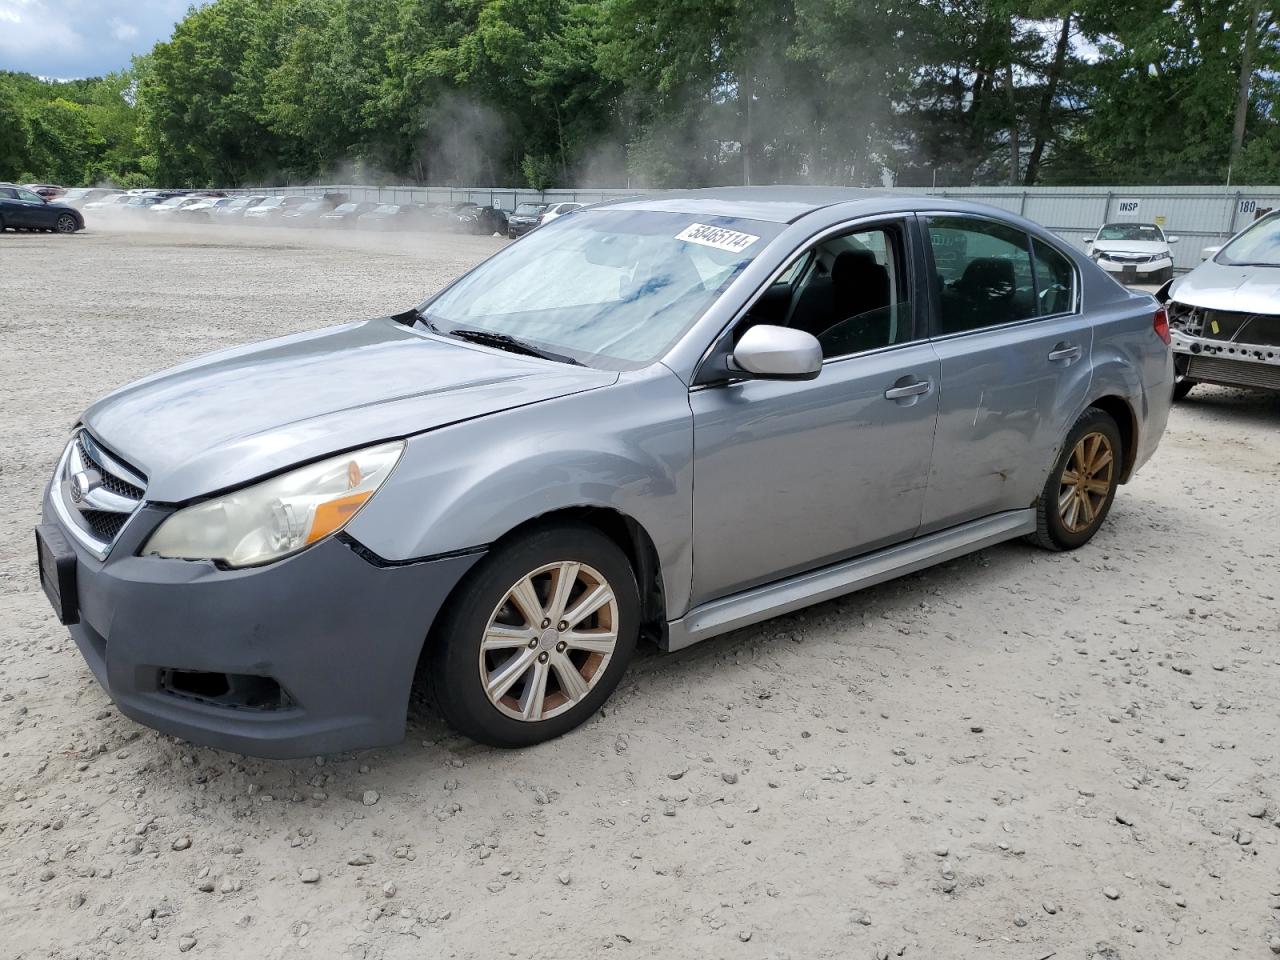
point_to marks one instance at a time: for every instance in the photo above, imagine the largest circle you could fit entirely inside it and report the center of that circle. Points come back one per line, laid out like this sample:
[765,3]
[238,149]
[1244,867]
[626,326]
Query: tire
[67,224]
[1068,518]
[491,604]
[1181,383]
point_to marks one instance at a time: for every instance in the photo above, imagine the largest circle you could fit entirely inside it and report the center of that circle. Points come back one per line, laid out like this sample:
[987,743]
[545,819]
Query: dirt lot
[1016,755]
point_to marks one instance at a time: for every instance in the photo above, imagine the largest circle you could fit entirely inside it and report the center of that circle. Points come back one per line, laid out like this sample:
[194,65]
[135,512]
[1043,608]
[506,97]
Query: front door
[29,210]
[789,476]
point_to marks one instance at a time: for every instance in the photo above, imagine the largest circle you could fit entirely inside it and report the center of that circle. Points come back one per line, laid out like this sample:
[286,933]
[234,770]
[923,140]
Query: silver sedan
[665,417]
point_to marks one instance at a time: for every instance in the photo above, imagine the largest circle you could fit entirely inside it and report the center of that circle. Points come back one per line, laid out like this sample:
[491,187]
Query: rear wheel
[1078,494]
[537,638]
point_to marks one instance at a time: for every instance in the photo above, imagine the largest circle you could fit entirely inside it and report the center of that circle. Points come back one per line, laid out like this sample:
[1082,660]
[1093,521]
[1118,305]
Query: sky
[81,38]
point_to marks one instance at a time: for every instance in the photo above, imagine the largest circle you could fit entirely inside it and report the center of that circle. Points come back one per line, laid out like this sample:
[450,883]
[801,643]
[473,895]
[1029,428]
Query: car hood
[239,414]
[1131,246]
[1216,286]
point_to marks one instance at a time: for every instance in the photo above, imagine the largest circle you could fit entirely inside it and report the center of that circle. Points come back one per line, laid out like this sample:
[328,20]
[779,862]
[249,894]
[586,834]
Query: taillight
[1160,323]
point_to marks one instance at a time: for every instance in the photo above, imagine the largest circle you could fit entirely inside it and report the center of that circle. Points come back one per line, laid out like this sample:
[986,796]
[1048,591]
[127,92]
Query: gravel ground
[1016,755]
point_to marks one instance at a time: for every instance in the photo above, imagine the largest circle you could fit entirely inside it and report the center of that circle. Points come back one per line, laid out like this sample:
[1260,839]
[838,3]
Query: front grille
[1236,373]
[96,493]
[110,481]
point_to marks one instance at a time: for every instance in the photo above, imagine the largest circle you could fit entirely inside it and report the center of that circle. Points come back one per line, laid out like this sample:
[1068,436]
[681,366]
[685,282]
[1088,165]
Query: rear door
[1014,351]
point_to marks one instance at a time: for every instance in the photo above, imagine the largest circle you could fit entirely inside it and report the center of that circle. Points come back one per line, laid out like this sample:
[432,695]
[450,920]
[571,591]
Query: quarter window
[983,273]
[1054,280]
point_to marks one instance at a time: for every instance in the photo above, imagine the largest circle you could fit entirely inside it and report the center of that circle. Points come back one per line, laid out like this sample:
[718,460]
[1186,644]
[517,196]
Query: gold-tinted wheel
[1086,482]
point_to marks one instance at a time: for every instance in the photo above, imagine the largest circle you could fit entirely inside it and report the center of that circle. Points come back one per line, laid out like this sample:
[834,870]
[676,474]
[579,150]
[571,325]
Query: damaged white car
[1225,314]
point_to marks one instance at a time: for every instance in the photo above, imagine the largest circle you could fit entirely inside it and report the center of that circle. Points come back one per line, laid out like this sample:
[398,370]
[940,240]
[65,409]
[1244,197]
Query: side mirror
[1173,239]
[777,353]
[1209,252]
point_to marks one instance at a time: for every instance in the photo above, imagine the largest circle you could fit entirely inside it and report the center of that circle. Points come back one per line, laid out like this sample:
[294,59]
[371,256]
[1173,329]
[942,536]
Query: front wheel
[1182,384]
[537,637]
[1078,494]
[67,224]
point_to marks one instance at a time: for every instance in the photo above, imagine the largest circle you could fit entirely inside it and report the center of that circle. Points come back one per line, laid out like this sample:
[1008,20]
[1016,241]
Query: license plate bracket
[57,564]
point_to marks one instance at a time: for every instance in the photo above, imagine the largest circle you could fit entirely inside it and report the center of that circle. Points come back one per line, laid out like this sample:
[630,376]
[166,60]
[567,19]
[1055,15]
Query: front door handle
[1065,352]
[905,390]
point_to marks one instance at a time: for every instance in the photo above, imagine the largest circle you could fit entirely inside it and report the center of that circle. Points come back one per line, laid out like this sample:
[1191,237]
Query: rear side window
[1055,280]
[983,273]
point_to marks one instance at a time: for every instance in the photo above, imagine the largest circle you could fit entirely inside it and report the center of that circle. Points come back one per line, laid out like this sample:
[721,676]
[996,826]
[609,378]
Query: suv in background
[524,218]
[24,209]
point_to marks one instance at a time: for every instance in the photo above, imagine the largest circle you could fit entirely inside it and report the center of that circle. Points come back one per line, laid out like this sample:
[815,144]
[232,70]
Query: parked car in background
[140,204]
[395,216]
[270,210]
[105,205]
[24,209]
[306,214]
[673,416]
[50,191]
[202,210]
[474,218]
[233,211]
[524,218]
[557,210]
[345,215]
[1225,314]
[1133,252]
[167,208]
[78,197]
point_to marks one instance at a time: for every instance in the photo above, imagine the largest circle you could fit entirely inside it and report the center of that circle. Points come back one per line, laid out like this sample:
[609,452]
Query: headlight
[280,516]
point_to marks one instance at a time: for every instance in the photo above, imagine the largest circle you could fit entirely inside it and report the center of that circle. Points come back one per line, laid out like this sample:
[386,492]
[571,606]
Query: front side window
[849,291]
[982,273]
[30,197]
[610,288]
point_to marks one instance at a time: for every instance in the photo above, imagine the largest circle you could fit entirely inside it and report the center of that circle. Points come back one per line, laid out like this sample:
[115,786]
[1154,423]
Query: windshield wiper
[503,341]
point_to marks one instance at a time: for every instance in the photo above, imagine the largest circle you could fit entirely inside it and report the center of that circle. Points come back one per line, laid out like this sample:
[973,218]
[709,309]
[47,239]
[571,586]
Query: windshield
[1146,232]
[529,208]
[612,288]
[313,205]
[1258,246]
[173,202]
[271,202]
[345,208]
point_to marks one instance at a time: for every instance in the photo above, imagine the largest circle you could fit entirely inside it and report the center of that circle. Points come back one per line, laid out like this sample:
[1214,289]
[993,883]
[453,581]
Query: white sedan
[1133,252]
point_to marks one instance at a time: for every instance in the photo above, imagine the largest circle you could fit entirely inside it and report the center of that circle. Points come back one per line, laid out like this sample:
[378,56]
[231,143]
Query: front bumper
[1226,362]
[1123,270]
[518,228]
[337,631]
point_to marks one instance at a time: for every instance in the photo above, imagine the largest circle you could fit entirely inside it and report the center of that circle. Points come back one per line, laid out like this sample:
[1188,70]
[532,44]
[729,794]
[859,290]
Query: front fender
[626,447]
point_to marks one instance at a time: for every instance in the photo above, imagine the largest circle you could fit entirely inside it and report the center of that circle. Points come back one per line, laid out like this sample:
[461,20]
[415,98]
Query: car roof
[779,204]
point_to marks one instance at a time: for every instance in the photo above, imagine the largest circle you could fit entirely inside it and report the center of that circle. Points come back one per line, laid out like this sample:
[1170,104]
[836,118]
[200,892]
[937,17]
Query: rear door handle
[908,390]
[1065,351]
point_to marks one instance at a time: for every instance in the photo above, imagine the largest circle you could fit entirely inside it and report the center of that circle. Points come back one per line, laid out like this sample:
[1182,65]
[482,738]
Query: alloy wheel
[548,641]
[1086,482]
[66,223]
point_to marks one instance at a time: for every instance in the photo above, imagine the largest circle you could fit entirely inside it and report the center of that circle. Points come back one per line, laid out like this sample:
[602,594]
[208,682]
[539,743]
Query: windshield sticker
[717,237]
